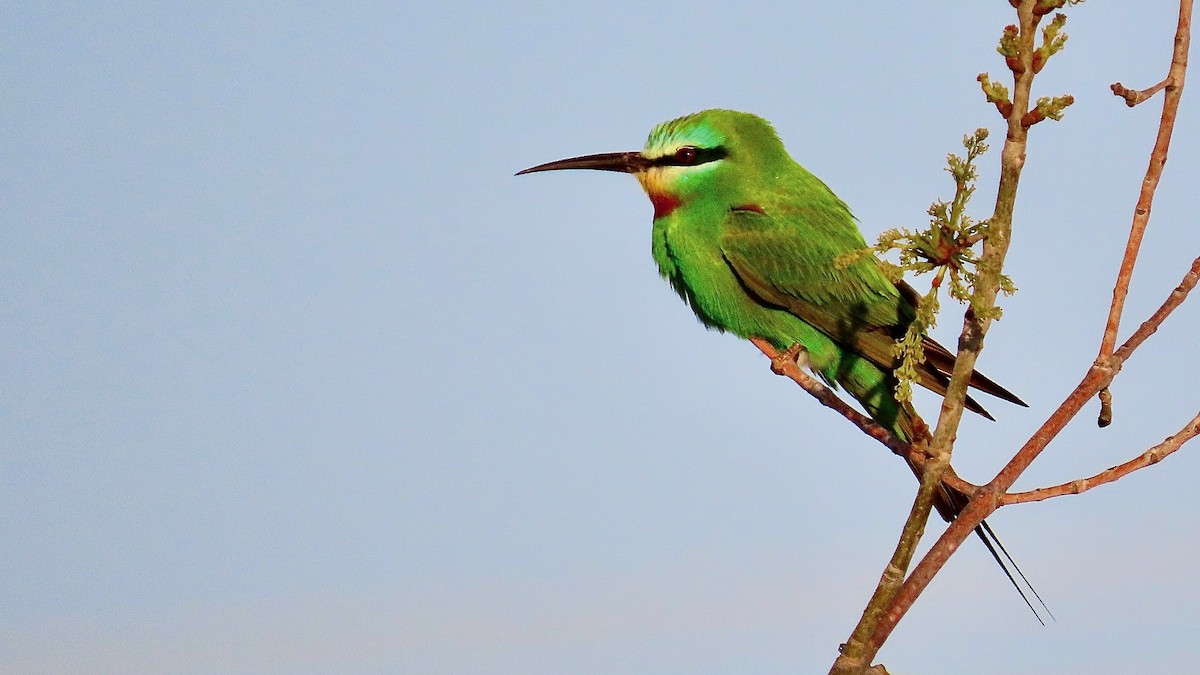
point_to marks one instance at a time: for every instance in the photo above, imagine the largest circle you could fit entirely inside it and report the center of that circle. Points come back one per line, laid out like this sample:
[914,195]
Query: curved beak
[621,162]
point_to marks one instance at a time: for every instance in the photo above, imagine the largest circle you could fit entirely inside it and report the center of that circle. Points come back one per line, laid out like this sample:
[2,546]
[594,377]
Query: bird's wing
[791,261]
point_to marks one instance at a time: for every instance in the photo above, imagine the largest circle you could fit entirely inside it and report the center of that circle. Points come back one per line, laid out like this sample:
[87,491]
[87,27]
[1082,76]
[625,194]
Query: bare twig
[785,364]
[1151,456]
[1149,326]
[1158,159]
[1135,96]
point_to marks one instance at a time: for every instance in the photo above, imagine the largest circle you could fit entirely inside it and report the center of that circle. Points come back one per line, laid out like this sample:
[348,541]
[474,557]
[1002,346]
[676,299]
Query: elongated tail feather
[950,502]
[989,538]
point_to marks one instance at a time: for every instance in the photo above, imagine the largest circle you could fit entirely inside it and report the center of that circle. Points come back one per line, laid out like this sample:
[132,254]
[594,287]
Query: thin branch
[984,503]
[1152,456]
[987,499]
[1135,96]
[786,364]
[933,474]
[1149,326]
[1173,84]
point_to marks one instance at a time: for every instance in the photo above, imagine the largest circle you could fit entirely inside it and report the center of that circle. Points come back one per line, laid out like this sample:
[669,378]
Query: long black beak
[621,162]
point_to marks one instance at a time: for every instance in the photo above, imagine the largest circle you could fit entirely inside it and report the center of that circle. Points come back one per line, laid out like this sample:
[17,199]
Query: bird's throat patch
[664,204]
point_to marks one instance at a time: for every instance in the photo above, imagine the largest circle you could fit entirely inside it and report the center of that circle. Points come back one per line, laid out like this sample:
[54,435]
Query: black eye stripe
[691,156]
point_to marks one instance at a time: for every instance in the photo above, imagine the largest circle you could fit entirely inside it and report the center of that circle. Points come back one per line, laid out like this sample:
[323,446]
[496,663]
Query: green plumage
[756,246]
[753,251]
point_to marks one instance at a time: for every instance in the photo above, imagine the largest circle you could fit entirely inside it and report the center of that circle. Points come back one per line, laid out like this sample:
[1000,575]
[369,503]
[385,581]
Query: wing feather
[793,264]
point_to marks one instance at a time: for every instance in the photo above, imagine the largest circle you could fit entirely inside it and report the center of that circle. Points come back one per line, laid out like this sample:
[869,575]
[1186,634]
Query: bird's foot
[796,354]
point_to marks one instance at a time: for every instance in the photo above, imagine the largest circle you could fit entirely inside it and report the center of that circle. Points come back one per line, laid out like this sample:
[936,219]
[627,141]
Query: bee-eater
[749,239]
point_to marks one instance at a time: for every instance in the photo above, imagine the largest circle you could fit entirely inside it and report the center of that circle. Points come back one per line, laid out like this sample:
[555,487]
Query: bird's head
[719,154]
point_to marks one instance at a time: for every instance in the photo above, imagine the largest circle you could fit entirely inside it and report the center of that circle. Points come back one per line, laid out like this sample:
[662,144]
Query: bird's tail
[950,502]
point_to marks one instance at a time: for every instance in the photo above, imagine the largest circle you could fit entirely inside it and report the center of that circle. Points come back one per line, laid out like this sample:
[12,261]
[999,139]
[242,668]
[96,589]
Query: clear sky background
[298,378]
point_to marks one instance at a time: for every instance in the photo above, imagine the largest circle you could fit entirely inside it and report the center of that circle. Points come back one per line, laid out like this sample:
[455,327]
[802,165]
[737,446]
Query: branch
[1158,159]
[1152,456]
[1017,45]
[1150,326]
[991,496]
[892,579]
[985,502]
[934,472]
[786,364]
[1134,96]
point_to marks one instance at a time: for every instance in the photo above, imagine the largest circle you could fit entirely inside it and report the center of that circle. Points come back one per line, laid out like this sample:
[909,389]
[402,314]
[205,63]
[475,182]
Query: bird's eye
[687,155]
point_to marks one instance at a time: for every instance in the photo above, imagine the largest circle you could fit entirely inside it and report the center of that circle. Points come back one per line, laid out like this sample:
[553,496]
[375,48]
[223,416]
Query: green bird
[748,238]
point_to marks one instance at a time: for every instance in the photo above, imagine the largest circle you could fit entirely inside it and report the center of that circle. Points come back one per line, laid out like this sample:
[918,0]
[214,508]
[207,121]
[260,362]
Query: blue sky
[300,378]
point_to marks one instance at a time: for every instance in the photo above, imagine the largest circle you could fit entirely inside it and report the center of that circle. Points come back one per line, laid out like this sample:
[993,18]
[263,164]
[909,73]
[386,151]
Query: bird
[759,247]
